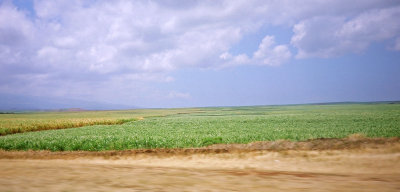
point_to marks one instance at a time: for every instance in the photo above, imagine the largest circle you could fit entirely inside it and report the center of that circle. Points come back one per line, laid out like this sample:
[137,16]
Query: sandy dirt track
[349,165]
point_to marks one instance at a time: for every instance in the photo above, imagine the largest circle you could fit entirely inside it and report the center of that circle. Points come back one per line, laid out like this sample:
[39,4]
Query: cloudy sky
[200,53]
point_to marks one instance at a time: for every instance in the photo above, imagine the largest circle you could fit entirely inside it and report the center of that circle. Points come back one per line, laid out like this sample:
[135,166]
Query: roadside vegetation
[182,128]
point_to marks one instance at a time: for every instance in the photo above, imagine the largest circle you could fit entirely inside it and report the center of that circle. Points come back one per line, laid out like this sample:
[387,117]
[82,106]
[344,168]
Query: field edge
[323,144]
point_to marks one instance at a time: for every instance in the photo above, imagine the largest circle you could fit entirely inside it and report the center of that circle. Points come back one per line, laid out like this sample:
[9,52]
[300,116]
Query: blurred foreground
[367,165]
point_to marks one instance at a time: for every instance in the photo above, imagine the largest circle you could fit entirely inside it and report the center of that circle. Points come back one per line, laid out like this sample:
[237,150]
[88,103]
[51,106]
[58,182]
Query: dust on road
[358,164]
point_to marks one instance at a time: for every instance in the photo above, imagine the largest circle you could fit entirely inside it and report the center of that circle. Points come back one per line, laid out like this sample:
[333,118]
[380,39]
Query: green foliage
[206,126]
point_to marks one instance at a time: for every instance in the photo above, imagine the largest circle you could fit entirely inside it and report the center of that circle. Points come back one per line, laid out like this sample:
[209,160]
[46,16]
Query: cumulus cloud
[329,36]
[16,35]
[267,54]
[81,43]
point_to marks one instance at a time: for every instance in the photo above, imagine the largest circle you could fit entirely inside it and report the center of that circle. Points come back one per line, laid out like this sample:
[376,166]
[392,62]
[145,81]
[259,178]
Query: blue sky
[197,53]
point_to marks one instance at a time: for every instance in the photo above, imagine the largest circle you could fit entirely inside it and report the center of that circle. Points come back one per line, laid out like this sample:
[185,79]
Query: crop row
[39,121]
[28,126]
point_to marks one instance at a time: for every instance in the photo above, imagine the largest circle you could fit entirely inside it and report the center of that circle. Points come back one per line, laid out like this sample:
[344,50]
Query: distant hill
[73,109]
[355,102]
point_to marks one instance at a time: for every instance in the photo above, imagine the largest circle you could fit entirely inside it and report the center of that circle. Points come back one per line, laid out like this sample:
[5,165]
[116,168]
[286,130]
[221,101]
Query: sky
[156,54]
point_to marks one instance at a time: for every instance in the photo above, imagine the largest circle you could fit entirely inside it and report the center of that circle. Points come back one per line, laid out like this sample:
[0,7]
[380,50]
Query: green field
[38,121]
[179,128]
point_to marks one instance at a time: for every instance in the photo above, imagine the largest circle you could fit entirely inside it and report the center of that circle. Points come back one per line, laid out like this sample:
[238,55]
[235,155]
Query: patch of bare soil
[351,164]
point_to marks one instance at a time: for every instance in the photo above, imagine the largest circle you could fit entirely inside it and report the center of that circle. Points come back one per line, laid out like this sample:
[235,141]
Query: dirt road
[370,166]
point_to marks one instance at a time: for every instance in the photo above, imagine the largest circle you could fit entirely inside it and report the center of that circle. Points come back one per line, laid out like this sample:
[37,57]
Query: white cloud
[145,36]
[331,36]
[16,35]
[66,42]
[76,43]
[267,54]
[15,28]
